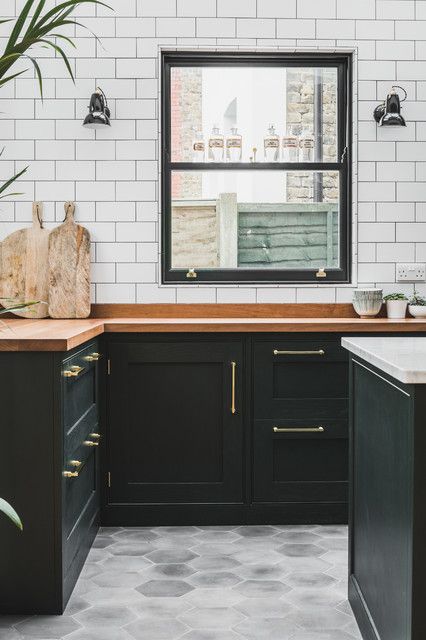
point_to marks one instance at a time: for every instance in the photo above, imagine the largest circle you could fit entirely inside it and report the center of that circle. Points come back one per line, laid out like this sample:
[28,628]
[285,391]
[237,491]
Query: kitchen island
[387,472]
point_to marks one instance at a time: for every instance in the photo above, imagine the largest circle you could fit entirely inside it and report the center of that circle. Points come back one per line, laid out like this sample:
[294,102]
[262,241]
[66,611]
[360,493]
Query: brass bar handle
[233,386]
[318,352]
[96,436]
[298,429]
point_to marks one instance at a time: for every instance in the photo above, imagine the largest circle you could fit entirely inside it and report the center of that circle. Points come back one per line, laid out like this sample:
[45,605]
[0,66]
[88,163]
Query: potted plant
[417,305]
[396,305]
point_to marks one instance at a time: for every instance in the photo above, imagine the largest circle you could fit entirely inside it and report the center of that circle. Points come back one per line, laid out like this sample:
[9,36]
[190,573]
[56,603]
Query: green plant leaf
[70,3]
[15,75]
[61,53]
[7,184]
[36,15]
[19,24]
[10,512]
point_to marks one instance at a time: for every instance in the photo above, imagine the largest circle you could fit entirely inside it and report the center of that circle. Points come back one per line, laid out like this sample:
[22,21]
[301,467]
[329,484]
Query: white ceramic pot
[396,308]
[417,310]
[367,302]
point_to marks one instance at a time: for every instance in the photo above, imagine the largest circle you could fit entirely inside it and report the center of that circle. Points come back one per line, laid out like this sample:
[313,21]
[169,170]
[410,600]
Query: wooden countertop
[64,335]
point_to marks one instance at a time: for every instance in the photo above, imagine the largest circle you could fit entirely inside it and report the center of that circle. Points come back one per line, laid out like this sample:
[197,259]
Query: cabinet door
[300,460]
[175,431]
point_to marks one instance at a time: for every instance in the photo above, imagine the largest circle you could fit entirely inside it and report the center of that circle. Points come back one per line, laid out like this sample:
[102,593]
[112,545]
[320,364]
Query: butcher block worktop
[17,334]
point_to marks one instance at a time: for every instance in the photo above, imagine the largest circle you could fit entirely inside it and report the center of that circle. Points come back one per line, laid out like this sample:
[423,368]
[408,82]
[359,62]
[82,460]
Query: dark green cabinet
[387,515]
[50,473]
[176,422]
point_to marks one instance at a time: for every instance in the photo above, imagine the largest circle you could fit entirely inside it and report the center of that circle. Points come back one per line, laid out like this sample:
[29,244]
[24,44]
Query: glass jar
[271,145]
[216,145]
[234,146]
[198,147]
[290,146]
[307,145]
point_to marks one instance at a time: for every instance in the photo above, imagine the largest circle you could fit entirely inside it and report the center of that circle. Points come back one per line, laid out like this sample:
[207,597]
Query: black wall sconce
[388,114]
[99,113]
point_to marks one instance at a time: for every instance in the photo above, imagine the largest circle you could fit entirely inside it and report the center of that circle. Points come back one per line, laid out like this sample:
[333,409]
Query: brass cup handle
[90,443]
[93,357]
[73,474]
[96,436]
[298,429]
[318,352]
[72,372]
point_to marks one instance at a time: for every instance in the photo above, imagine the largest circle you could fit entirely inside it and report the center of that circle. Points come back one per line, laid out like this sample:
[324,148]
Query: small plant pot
[417,310]
[396,308]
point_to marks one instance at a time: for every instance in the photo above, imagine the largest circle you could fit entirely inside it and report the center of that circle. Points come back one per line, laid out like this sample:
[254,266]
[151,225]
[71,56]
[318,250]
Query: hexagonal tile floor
[205,583]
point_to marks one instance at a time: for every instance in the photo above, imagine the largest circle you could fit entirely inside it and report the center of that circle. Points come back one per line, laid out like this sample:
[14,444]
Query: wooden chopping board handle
[38,214]
[69,211]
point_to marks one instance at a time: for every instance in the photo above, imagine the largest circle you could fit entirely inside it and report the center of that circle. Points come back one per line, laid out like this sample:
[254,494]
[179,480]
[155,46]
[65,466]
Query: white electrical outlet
[410,272]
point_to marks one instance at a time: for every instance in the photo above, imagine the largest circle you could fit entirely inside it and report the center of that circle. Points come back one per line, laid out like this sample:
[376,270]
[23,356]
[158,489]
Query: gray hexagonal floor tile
[264,607]
[318,619]
[263,571]
[47,626]
[101,633]
[257,531]
[112,596]
[300,550]
[106,616]
[266,629]
[215,549]
[164,588]
[171,556]
[160,608]
[261,588]
[135,534]
[212,618]
[117,578]
[168,571]
[214,579]
[76,605]
[309,579]
[299,537]
[209,634]
[214,563]
[126,563]
[131,548]
[221,597]
[216,536]
[156,629]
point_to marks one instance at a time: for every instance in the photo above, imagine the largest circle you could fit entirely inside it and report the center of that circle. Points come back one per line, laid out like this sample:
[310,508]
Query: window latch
[191,273]
[344,154]
[321,273]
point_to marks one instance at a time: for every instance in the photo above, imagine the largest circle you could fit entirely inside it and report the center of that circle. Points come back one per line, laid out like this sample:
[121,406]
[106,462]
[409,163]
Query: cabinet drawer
[80,503]
[79,388]
[300,460]
[300,377]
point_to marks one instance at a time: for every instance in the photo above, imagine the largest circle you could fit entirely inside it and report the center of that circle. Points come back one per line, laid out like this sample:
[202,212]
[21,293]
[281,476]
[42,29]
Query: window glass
[255,220]
[226,113]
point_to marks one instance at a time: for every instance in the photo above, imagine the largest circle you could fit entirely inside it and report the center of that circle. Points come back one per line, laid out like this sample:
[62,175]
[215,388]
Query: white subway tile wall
[114,174]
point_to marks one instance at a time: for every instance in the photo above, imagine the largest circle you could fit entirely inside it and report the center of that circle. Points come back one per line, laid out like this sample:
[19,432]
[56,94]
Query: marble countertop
[403,358]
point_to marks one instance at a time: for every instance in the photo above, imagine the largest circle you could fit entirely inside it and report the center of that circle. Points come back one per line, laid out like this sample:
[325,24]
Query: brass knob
[70,474]
[97,436]
[89,443]
[75,463]
[73,371]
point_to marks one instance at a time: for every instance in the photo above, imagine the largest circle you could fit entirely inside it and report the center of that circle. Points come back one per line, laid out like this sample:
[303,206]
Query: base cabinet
[176,422]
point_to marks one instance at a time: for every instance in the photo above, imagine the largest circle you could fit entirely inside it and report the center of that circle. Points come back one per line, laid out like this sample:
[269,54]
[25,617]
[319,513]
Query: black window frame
[343,63]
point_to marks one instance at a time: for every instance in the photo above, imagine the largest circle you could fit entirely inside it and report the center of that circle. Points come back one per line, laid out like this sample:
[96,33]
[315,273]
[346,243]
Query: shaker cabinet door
[175,432]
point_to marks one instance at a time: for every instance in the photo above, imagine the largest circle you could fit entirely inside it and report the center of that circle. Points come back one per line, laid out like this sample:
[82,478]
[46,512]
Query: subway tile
[200,295]
[410,231]
[376,272]
[115,211]
[376,232]
[115,293]
[95,150]
[216,27]
[195,8]
[410,150]
[147,252]
[54,190]
[136,150]
[57,149]
[316,294]
[395,252]
[116,48]
[128,68]
[102,272]
[75,170]
[395,212]
[274,9]
[395,171]
[115,252]
[97,191]
[236,8]
[295,28]
[152,293]
[410,29]
[101,231]
[395,50]
[115,170]
[409,191]
[156,8]
[275,294]
[136,191]
[175,27]
[32,130]
[236,294]
[395,10]
[333,28]
[137,272]
[361,9]
[136,231]
[255,28]
[377,70]
[412,70]
[137,109]
[135,28]
[376,151]
[316,8]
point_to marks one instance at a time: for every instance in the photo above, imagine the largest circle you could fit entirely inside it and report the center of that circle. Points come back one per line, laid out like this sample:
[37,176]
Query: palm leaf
[62,54]
[15,75]
[10,512]
[36,15]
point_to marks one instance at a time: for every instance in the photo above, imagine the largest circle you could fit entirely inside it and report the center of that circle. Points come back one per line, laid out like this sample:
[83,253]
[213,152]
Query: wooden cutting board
[69,268]
[24,267]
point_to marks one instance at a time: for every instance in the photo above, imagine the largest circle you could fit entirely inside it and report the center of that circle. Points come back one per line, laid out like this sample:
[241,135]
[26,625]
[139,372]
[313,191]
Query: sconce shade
[99,113]
[389,114]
